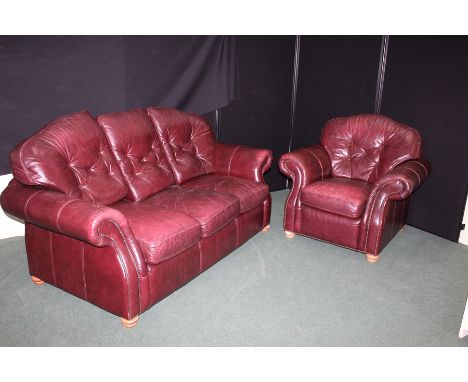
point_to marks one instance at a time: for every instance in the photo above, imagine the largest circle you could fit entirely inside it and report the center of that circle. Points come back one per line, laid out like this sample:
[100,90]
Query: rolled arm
[403,180]
[306,165]
[90,222]
[242,161]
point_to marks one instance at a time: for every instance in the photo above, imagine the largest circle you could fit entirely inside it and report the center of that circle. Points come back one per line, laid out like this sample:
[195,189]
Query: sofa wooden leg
[36,280]
[289,234]
[266,228]
[129,323]
[371,258]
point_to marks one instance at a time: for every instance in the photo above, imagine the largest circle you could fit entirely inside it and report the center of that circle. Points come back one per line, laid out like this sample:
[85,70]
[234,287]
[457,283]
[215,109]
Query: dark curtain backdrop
[43,77]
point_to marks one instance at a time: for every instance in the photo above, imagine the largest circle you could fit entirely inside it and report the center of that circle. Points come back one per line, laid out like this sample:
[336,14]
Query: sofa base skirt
[100,276]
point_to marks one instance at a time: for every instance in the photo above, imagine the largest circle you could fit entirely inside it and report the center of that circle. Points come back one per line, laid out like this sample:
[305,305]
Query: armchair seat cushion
[160,234]
[211,210]
[341,196]
[250,194]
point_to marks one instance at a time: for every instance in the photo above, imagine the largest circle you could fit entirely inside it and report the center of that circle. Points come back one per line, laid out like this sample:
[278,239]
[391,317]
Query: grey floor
[272,291]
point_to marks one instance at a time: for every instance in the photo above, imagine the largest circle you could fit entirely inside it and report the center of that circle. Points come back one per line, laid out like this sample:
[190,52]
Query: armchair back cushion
[70,155]
[365,147]
[187,141]
[138,151]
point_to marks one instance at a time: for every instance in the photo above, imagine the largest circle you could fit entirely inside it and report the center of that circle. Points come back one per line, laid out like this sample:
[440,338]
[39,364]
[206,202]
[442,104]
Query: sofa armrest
[93,223]
[242,161]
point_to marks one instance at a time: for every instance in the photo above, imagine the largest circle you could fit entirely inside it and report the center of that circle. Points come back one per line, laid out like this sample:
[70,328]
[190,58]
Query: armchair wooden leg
[266,228]
[129,323]
[36,280]
[289,234]
[371,258]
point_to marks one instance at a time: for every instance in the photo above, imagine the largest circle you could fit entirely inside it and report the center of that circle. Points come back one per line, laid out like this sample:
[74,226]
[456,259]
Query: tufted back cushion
[139,152]
[367,146]
[187,140]
[70,155]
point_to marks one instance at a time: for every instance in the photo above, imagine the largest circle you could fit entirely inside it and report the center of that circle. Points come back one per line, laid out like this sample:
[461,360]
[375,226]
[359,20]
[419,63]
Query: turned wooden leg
[36,281]
[266,228]
[289,234]
[129,323]
[371,258]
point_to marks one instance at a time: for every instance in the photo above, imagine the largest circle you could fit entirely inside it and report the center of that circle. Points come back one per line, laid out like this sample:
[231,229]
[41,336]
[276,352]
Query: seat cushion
[139,152]
[250,194]
[341,196]
[160,234]
[210,209]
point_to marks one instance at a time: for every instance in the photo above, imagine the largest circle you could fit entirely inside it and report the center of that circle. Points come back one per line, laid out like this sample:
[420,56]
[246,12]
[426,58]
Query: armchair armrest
[403,180]
[306,165]
[242,161]
[90,222]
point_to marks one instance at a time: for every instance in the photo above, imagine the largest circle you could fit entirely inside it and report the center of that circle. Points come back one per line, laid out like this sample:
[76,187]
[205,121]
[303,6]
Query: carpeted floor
[272,291]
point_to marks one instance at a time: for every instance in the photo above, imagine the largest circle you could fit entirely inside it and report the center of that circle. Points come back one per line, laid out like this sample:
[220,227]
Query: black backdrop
[426,86]
[43,77]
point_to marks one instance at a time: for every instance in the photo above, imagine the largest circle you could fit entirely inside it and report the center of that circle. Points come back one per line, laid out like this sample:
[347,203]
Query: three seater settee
[124,209]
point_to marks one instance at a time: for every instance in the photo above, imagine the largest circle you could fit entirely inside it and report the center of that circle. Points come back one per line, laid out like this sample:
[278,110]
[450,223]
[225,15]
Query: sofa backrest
[70,155]
[367,146]
[138,151]
[187,141]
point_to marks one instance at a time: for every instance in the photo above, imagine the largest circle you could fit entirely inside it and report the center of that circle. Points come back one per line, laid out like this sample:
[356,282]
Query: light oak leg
[371,258]
[129,323]
[289,234]
[266,228]
[36,281]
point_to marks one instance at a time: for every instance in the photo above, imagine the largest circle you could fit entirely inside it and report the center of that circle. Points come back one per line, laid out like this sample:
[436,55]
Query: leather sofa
[353,189]
[124,209]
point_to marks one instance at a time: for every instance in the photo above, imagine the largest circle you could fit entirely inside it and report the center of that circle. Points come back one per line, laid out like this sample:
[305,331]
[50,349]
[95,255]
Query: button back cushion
[187,141]
[366,147]
[138,151]
[342,196]
[250,194]
[70,155]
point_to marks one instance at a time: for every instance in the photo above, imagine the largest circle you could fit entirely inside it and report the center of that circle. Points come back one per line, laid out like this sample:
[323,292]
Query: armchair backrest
[187,140]
[70,155]
[367,146]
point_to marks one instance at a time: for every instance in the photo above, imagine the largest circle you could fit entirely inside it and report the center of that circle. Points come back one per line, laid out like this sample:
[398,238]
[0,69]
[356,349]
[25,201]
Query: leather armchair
[354,188]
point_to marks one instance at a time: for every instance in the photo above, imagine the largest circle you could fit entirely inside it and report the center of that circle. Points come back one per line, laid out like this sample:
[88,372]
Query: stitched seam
[419,179]
[59,212]
[83,271]
[370,215]
[232,157]
[52,257]
[420,164]
[379,234]
[320,163]
[26,171]
[27,203]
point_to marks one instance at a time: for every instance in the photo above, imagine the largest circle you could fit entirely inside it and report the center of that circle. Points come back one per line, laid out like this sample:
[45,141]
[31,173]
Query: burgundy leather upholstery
[366,147]
[139,152]
[242,161]
[70,155]
[187,140]
[250,194]
[125,255]
[212,210]
[160,234]
[354,189]
[341,196]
